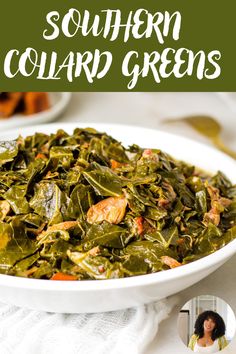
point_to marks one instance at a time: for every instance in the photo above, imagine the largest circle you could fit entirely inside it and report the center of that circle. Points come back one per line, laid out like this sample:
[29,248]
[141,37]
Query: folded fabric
[130,331]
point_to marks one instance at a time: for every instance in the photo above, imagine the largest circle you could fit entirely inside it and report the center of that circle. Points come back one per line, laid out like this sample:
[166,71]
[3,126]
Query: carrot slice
[115,164]
[139,223]
[63,276]
[40,156]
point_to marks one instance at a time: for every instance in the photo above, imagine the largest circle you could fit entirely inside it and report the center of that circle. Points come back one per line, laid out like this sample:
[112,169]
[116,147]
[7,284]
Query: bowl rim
[184,271]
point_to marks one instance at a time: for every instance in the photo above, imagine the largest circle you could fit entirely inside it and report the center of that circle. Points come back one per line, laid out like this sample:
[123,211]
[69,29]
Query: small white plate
[58,103]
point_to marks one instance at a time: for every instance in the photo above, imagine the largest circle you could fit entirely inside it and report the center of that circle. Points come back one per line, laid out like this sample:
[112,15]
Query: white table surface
[150,109]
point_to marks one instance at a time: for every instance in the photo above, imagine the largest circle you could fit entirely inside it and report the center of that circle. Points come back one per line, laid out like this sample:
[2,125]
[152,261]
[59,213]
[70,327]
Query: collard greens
[82,206]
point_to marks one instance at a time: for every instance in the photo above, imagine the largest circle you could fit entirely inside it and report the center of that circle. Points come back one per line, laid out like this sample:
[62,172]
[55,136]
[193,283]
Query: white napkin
[130,331]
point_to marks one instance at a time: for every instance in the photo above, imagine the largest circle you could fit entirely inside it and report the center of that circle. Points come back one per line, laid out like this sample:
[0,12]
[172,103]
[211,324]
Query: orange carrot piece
[63,276]
[115,164]
[139,223]
[40,156]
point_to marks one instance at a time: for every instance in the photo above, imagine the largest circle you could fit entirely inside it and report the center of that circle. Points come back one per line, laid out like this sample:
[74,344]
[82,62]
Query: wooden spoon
[208,127]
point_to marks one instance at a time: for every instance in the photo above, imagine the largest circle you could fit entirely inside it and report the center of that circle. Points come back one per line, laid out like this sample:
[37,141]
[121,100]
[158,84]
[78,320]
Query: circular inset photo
[206,324]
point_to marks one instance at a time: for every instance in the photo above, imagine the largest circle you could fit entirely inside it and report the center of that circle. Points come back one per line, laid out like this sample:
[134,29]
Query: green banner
[152,45]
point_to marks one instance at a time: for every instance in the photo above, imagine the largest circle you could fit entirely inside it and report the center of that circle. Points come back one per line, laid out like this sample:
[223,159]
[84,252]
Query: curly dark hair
[219,329]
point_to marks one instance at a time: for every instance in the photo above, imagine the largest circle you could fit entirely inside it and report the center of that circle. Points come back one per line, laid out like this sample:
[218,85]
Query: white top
[214,348]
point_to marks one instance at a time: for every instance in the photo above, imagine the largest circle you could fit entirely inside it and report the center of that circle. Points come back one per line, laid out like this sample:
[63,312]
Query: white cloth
[214,348]
[130,331]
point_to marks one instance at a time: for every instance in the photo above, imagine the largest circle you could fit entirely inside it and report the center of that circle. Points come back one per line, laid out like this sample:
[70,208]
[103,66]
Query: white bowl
[114,294]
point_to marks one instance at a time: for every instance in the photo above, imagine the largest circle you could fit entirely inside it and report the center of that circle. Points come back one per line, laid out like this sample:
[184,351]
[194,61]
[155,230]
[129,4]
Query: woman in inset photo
[209,334]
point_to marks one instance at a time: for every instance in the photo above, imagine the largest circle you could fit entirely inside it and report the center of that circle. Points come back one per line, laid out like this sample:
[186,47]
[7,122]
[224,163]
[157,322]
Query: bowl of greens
[110,216]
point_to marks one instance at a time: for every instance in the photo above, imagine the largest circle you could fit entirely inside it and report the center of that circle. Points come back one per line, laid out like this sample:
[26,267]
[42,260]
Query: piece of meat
[218,205]
[111,209]
[63,226]
[170,262]
[35,102]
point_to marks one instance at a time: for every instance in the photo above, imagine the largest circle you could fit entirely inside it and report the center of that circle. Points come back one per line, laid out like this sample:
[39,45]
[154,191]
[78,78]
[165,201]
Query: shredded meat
[111,209]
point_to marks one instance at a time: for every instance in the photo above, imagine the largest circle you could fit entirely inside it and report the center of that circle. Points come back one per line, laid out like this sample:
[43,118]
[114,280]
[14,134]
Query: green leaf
[142,197]
[185,195]
[156,213]
[221,182]
[136,264]
[116,152]
[22,266]
[136,206]
[230,214]
[8,178]
[166,237]
[95,267]
[32,220]
[6,234]
[55,250]
[149,179]
[18,247]
[107,235]
[45,270]
[33,169]
[209,240]
[104,181]
[8,151]
[195,183]
[61,156]
[81,199]
[148,252]
[16,198]
[230,234]
[49,202]
[201,201]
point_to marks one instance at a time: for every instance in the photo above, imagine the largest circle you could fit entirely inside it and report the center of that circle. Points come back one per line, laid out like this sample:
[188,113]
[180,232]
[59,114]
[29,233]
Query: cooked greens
[82,206]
